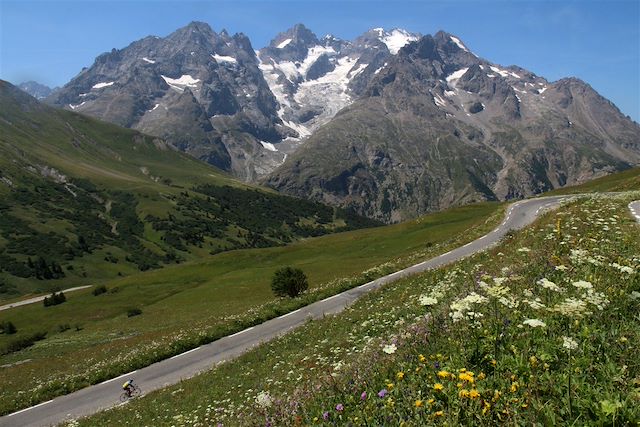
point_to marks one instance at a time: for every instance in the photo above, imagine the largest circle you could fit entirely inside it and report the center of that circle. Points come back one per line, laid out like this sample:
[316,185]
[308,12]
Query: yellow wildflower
[462,370]
[418,403]
[443,374]
[493,362]
[466,376]
[439,414]
[514,386]
[418,369]
[481,376]
[474,393]
[400,375]
[533,361]
[421,358]
[496,395]
[438,387]
[487,407]
[431,401]
[464,393]
[389,386]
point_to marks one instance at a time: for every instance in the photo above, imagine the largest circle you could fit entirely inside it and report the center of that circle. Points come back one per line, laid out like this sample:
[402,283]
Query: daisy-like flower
[569,343]
[418,403]
[427,300]
[438,387]
[443,374]
[561,267]
[473,394]
[263,399]
[534,323]
[582,284]
[390,348]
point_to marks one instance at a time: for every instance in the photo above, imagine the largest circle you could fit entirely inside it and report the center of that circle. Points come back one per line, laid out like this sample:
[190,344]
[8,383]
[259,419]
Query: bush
[8,328]
[54,299]
[134,312]
[99,290]
[22,343]
[289,281]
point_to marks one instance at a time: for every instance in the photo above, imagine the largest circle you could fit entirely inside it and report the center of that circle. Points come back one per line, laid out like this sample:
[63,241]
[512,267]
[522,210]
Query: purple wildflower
[363,396]
[339,407]
[383,392]
[325,415]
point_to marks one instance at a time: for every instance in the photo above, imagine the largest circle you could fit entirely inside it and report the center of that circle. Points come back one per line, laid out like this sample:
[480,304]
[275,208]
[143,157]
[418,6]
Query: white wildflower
[390,348]
[572,307]
[548,284]
[264,400]
[534,323]
[427,300]
[635,295]
[569,343]
[561,267]
[582,284]
[524,249]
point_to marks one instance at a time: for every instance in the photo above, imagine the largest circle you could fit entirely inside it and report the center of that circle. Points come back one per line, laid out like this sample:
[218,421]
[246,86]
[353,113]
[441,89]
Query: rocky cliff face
[392,124]
[438,126]
[200,90]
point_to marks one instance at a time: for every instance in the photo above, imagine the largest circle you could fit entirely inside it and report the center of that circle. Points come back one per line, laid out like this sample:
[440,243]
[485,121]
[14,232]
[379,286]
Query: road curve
[170,371]
[634,207]
[40,298]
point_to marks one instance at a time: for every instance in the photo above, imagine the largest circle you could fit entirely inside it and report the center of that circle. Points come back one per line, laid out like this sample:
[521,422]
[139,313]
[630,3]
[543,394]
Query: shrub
[134,312]
[8,328]
[54,299]
[99,290]
[22,343]
[289,281]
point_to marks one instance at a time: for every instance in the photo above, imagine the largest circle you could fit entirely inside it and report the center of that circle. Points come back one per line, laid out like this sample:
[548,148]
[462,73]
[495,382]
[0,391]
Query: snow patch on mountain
[284,44]
[150,61]
[456,75]
[222,58]
[101,85]
[269,146]
[458,42]
[504,73]
[396,39]
[180,83]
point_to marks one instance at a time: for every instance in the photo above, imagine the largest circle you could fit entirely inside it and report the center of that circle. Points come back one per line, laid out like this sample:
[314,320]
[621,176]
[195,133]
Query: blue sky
[597,41]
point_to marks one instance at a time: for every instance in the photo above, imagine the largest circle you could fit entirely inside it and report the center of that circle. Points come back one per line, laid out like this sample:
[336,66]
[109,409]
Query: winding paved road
[40,298]
[170,371]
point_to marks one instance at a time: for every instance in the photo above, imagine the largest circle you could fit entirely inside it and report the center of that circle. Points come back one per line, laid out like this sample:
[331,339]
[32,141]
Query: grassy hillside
[91,338]
[83,201]
[620,181]
[542,329]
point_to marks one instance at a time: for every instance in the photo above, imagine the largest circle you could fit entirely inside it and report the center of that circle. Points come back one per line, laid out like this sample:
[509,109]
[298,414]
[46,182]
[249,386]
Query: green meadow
[91,338]
[540,330]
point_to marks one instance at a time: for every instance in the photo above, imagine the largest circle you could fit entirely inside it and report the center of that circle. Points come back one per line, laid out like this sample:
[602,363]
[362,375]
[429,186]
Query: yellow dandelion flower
[389,386]
[462,370]
[464,393]
[481,376]
[524,406]
[493,362]
[438,387]
[418,403]
[421,358]
[439,414]
[496,395]
[514,386]
[443,374]
[418,369]
[400,375]
[466,376]
[474,393]
[431,401]
[486,408]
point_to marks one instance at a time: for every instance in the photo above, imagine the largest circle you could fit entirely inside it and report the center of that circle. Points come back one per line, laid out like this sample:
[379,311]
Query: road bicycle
[135,392]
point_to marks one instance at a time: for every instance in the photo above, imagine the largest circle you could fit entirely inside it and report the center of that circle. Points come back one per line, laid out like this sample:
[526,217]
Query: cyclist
[128,387]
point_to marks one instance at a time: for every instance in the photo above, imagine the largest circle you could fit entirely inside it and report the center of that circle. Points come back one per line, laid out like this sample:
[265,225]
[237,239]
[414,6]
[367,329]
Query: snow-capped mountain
[312,79]
[438,126]
[393,124]
[35,89]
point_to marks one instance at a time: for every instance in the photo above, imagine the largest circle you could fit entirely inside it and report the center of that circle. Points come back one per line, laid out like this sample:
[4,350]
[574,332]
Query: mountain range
[391,124]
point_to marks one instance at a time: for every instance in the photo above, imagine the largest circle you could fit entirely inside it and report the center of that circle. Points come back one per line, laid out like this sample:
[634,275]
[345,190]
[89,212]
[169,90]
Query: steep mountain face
[35,89]
[199,90]
[210,95]
[312,79]
[439,126]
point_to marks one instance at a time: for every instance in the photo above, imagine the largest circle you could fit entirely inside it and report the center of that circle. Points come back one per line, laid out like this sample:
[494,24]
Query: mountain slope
[83,200]
[439,126]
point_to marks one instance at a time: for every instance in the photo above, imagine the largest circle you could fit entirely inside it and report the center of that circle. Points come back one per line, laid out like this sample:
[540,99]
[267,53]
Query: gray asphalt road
[40,298]
[170,371]
[634,207]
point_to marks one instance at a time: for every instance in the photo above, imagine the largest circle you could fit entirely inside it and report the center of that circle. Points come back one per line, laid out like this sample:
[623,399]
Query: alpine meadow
[384,225]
